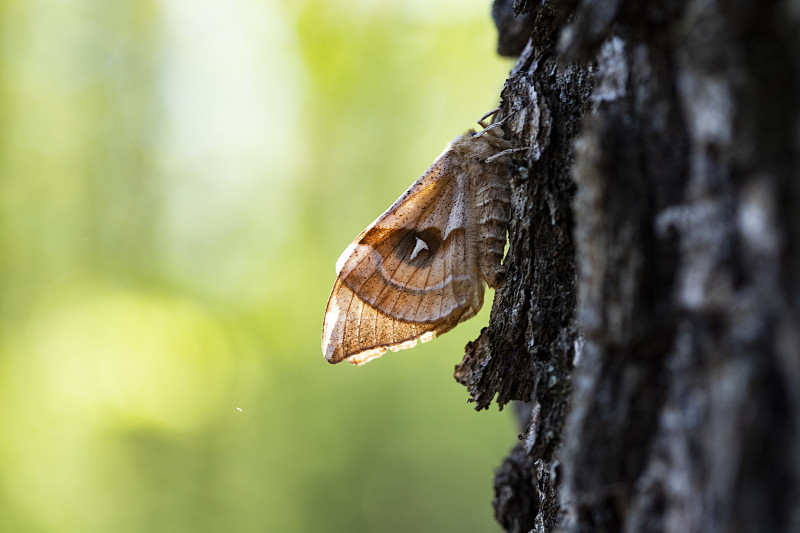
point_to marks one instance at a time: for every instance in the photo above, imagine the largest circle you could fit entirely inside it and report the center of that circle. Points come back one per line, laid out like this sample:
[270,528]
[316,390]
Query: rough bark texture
[651,313]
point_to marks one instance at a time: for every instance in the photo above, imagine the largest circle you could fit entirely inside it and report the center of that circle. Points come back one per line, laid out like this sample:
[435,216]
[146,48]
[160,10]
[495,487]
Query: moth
[419,269]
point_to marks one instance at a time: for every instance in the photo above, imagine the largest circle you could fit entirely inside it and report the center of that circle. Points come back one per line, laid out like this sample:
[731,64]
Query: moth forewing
[418,269]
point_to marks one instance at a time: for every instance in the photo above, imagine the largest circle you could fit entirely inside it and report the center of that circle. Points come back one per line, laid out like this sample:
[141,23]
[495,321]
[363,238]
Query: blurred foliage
[177,180]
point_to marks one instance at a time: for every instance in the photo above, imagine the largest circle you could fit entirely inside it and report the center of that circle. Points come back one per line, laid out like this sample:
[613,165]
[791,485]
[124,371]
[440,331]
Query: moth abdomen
[491,257]
[493,205]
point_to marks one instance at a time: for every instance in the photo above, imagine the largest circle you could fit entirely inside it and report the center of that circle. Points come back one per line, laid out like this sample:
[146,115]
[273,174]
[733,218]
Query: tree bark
[650,315]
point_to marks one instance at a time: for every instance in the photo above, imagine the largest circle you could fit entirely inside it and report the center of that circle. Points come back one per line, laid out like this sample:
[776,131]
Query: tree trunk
[650,313]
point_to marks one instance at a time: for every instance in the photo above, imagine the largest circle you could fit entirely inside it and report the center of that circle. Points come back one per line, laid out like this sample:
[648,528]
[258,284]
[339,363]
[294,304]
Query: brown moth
[419,269]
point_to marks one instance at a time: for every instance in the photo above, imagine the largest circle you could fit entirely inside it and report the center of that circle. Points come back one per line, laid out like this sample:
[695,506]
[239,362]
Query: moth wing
[411,274]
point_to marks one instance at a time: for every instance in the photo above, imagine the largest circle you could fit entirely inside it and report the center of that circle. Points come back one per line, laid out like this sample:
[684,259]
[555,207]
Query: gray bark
[650,315]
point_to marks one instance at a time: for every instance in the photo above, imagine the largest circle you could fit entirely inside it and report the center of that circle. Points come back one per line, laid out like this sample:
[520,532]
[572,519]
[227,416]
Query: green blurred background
[177,180]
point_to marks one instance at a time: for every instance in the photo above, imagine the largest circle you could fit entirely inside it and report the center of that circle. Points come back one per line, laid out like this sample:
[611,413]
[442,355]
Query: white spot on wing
[421,245]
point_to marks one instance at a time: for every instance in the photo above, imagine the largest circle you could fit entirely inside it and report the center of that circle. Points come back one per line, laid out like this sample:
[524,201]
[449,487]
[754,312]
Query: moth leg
[491,113]
[498,155]
[491,126]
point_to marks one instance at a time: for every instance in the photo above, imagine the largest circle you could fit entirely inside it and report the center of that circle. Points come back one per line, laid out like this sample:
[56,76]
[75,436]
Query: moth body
[419,268]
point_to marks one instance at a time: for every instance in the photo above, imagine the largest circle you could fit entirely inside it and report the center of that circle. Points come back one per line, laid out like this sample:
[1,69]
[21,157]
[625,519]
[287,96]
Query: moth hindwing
[419,268]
